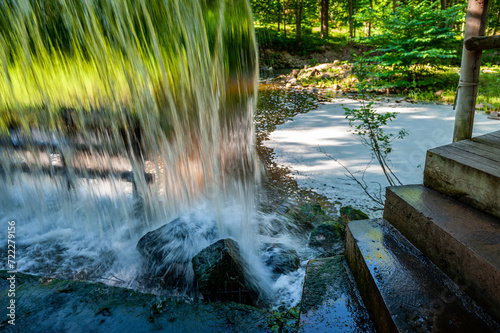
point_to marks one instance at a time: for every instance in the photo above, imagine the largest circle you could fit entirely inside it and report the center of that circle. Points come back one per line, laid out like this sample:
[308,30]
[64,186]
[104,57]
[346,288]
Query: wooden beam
[482,43]
[57,170]
[465,102]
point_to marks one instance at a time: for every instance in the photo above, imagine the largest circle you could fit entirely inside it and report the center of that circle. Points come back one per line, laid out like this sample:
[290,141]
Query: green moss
[328,239]
[41,304]
[323,277]
[349,213]
[309,215]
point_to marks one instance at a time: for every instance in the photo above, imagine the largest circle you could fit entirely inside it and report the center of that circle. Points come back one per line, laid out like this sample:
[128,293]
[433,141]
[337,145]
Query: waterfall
[117,117]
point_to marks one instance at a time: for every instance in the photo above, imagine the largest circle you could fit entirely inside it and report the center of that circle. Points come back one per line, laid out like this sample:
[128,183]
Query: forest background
[407,47]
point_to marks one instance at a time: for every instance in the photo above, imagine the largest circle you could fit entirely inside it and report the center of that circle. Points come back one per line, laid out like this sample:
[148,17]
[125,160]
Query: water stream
[117,117]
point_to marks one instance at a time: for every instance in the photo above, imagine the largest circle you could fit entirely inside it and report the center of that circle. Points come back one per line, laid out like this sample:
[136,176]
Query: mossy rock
[308,215]
[328,239]
[168,250]
[348,214]
[51,305]
[219,272]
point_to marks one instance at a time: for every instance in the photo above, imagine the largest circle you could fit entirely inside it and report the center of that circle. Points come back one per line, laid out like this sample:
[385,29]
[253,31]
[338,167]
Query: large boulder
[168,250]
[280,258]
[220,273]
[327,239]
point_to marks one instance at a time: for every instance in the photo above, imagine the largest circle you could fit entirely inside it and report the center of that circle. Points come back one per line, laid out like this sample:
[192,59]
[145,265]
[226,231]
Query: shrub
[415,40]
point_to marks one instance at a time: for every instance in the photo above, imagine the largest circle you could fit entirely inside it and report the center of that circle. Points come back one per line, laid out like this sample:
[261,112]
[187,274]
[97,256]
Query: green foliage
[284,321]
[368,124]
[269,38]
[414,40]
[123,56]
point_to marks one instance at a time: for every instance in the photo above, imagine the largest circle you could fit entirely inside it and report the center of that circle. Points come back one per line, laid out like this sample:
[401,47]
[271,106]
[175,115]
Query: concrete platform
[460,240]
[468,171]
[402,289]
[330,301]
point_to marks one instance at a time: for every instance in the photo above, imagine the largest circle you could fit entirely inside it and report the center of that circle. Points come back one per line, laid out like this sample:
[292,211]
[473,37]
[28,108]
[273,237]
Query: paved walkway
[303,145]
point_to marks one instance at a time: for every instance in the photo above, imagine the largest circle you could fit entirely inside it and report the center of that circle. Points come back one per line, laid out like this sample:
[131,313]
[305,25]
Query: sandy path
[298,144]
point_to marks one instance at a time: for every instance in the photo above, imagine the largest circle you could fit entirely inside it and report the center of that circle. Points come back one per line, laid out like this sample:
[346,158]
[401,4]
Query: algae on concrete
[48,305]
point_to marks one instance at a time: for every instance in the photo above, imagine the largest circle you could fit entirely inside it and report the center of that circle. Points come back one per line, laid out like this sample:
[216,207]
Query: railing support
[465,102]
[482,43]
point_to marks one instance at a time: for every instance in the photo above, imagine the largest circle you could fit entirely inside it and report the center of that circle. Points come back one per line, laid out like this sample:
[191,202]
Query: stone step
[467,170]
[460,240]
[402,289]
[330,301]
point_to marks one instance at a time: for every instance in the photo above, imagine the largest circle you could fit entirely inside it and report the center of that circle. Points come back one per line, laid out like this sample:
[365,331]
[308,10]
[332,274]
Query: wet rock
[280,258]
[295,73]
[327,239]
[49,305]
[292,82]
[329,300]
[220,273]
[348,214]
[168,250]
[308,215]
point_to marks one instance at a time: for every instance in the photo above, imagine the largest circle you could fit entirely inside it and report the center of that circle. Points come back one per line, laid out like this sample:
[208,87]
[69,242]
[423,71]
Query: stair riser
[465,183]
[474,275]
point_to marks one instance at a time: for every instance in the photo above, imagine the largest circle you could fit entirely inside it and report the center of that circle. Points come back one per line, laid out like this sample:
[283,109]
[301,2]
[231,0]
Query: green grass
[488,98]
[439,85]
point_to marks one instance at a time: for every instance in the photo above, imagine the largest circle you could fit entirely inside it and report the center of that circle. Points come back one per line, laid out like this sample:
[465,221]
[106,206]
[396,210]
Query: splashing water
[117,117]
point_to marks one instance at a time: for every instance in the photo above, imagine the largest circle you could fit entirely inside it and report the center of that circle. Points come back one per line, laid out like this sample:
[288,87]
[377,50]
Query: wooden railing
[475,42]
[64,169]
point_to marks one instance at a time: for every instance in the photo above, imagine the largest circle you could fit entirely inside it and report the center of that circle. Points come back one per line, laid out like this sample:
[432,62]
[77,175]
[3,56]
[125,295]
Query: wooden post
[469,71]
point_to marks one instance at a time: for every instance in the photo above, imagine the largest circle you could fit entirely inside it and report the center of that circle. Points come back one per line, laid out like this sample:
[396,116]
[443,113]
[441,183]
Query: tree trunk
[469,71]
[298,19]
[284,18]
[495,27]
[279,16]
[443,5]
[394,5]
[324,18]
[351,23]
[370,23]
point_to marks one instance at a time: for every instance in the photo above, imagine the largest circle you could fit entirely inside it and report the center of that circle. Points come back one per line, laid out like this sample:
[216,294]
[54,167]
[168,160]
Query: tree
[494,20]
[324,7]
[299,9]
[352,32]
[414,40]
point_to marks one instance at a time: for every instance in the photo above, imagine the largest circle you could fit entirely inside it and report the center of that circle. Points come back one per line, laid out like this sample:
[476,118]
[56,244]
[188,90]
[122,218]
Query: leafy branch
[367,123]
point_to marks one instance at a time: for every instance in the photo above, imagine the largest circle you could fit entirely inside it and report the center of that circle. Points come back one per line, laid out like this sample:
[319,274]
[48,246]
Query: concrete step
[402,289]
[467,170]
[460,240]
[330,301]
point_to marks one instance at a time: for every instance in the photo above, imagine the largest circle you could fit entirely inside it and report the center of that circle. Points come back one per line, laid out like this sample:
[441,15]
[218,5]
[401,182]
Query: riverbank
[318,147]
